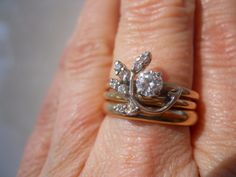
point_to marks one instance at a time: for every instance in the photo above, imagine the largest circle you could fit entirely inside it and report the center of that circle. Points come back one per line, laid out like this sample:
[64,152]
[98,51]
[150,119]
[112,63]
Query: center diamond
[149,83]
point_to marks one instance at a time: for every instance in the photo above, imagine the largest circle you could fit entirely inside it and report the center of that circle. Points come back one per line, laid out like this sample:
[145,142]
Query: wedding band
[144,96]
[158,102]
[170,117]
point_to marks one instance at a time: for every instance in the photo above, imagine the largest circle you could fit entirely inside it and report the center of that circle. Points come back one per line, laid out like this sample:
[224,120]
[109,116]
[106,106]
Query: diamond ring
[143,95]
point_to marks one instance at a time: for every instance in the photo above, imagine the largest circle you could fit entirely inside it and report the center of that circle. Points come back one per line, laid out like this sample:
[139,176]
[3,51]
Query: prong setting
[137,82]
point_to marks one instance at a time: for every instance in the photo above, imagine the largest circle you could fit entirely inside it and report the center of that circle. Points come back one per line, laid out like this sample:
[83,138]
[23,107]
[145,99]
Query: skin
[192,42]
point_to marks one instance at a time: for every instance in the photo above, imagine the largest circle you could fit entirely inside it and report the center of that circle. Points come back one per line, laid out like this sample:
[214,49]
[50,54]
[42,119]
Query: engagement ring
[144,96]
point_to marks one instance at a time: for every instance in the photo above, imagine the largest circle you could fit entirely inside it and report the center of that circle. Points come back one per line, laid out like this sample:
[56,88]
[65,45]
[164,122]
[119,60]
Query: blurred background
[33,34]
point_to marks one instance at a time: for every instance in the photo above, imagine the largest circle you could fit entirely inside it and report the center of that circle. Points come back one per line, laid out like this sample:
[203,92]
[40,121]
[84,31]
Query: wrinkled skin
[192,42]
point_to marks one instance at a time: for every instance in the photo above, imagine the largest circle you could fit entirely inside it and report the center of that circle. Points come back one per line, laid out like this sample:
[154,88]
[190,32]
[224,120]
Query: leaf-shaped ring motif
[126,88]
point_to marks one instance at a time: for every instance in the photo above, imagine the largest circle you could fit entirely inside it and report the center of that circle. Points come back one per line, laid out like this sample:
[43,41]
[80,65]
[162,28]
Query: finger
[85,68]
[127,148]
[37,147]
[214,140]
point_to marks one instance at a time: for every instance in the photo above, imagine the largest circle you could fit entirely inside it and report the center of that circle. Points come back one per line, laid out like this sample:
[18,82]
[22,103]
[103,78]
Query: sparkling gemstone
[124,75]
[114,83]
[120,108]
[149,83]
[128,109]
[118,66]
[123,89]
[137,66]
[141,62]
[131,109]
[122,71]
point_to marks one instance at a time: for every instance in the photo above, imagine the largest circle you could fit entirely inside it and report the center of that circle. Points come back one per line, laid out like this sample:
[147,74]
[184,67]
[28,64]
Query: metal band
[113,96]
[170,117]
[186,93]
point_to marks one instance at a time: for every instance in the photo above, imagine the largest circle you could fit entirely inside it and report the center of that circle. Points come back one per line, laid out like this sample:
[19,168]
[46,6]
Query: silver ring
[143,95]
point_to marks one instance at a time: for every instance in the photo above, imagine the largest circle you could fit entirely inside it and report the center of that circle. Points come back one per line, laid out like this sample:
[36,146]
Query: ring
[144,96]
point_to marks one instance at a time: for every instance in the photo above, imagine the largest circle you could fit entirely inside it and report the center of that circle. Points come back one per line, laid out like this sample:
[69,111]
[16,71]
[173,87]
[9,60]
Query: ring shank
[158,102]
[181,113]
[143,96]
[186,93]
[171,117]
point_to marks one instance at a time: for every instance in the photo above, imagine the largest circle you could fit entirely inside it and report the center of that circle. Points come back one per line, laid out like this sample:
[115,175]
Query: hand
[193,43]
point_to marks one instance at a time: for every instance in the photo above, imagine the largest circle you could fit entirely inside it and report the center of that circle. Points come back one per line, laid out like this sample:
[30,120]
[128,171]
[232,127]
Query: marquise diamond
[141,62]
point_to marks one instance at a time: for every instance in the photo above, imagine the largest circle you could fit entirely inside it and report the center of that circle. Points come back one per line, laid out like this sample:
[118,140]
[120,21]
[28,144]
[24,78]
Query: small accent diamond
[123,89]
[124,75]
[120,108]
[122,71]
[131,109]
[141,62]
[118,66]
[114,83]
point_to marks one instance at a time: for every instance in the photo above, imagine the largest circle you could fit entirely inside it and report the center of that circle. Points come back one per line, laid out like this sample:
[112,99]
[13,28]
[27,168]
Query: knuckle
[79,119]
[151,14]
[87,53]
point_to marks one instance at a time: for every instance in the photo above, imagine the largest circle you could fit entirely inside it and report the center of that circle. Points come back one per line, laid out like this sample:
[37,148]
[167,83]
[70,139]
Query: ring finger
[126,148]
